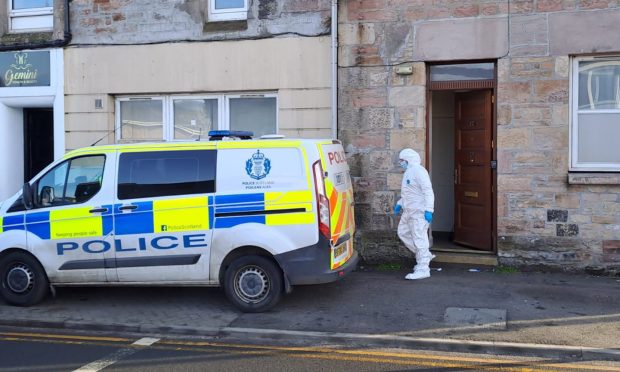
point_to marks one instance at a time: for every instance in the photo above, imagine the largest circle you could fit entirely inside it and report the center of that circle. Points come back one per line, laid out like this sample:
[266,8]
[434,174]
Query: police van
[255,216]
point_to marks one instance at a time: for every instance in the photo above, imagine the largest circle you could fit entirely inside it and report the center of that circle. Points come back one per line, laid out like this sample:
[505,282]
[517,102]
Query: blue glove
[428,216]
[397,209]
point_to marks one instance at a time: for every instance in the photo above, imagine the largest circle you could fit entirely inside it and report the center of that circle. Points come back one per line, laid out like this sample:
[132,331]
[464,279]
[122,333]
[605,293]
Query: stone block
[513,138]
[511,183]
[531,115]
[550,138]
[589,32]
[560,114]
[528,30]
[551,91]
[363,77]
[532,68]
[557,215]
[562,67]
[567,230]
[596,4]
[407,96]
[363,98]
[356,33]
[406,138]
[529,50]
[605,220]
[466,10]
[504,114]
[570,201]
[394,181]
[515,92]
[383,202]
[464,39]
[549,5]
[381,160]
[377,118]
[522,6]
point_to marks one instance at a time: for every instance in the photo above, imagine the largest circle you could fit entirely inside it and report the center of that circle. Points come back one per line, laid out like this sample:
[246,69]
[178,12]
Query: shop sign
[25,69]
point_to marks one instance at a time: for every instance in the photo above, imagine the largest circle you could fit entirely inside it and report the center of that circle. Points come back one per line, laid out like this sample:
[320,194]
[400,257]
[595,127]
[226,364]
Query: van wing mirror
[27,196]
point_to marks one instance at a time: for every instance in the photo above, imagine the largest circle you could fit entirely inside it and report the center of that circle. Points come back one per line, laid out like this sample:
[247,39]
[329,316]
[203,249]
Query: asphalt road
[25,350]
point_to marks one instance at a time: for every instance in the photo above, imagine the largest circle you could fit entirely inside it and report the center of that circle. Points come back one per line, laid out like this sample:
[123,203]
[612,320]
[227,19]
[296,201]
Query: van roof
[196,145]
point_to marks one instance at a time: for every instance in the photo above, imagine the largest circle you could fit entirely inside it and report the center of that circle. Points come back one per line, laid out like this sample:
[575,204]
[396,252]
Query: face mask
[402,164]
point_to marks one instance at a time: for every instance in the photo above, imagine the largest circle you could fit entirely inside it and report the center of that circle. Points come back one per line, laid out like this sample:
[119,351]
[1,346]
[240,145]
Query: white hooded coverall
[416,197]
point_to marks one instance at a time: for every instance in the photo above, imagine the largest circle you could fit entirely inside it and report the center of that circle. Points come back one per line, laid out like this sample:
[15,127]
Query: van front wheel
[253,284]
[23,280]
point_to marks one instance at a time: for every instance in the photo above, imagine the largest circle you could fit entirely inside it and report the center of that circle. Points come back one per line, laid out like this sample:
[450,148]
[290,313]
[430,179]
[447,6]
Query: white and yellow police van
[255,216]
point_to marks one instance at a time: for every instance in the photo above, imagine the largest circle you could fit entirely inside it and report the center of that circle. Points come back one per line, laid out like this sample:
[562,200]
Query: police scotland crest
[258,166]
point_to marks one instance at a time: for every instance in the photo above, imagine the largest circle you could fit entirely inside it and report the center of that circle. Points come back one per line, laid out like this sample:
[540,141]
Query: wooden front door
[473,199]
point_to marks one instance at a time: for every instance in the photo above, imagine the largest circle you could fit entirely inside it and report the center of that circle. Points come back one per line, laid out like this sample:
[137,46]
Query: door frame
[466,85]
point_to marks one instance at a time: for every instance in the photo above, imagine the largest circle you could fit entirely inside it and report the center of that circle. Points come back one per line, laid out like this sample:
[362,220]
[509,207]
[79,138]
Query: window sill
[585,178]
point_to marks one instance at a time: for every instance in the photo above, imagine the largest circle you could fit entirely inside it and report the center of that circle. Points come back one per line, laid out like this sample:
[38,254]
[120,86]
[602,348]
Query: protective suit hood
[411,156]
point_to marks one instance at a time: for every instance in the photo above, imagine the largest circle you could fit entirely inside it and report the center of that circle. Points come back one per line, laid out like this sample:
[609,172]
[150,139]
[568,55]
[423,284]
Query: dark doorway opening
[38,140]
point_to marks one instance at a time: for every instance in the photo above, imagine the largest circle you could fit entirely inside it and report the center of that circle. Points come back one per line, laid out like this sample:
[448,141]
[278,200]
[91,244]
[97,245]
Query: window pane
[229,4]
[84,180]
[149,174]
[472,71]
[599,85]
[142,120]
[27,4]
[598,138]
[51,187]
[194,118]
[254,114]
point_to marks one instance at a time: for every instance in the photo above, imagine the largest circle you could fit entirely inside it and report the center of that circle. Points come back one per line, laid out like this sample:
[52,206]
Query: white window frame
[231,14]
[168,111]
[574,108]
[228,97]
[169,128]
[39,19]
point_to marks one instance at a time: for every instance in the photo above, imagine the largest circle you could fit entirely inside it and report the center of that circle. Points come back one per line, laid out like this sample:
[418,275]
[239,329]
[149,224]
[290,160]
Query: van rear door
[339,191]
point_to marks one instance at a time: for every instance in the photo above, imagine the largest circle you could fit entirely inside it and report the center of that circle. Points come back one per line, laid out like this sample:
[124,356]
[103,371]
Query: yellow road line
[66,337]
[355,355]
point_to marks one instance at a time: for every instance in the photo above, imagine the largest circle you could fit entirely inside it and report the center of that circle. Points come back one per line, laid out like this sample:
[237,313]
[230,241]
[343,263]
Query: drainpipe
[46,44]
[334,69]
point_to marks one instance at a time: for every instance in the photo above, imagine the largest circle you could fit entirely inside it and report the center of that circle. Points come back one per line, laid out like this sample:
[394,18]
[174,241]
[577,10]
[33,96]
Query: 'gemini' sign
[25,69]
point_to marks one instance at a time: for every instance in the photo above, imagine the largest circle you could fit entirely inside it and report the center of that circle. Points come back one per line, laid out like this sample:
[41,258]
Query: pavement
[459,308]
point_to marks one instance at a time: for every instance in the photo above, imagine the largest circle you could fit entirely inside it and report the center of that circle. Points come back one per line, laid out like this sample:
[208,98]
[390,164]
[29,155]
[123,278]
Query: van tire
[23,281]
[253,283]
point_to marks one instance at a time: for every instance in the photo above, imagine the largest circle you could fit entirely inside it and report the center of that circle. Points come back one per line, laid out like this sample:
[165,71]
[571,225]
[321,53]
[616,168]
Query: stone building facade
[171,70]
[553,102]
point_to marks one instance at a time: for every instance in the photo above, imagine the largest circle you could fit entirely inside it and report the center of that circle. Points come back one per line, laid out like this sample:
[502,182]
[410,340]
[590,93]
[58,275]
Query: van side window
[71,182]
[165,173]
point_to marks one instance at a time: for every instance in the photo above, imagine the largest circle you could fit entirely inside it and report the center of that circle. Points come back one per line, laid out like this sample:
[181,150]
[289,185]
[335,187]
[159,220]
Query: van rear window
[166,173]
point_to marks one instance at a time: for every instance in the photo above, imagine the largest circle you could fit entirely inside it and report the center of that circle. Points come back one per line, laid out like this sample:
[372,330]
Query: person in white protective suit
[417,203]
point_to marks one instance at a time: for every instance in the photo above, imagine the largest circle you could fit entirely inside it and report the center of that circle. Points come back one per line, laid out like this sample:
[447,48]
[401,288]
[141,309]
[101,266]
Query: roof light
[215,135]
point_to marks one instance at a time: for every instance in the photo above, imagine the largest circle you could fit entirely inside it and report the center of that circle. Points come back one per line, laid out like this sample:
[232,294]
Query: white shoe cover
[418,274]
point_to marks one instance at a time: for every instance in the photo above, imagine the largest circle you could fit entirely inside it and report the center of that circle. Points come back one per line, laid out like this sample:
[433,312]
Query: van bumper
[310,265]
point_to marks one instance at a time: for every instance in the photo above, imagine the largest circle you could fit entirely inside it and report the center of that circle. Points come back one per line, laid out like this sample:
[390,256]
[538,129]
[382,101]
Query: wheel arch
[247,250]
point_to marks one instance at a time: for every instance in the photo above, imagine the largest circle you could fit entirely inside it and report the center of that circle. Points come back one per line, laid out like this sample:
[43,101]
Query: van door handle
[98,210]
[128,207]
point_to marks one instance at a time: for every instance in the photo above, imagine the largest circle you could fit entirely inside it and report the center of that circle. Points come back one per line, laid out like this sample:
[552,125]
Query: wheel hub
[20,278]
[252,284]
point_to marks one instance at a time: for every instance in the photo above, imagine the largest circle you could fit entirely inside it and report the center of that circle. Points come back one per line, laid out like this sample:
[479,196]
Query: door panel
[162,215]
[473,225]
[70,223]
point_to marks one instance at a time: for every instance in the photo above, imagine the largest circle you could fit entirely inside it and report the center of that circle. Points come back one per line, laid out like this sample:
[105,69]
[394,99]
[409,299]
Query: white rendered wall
[11,150]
